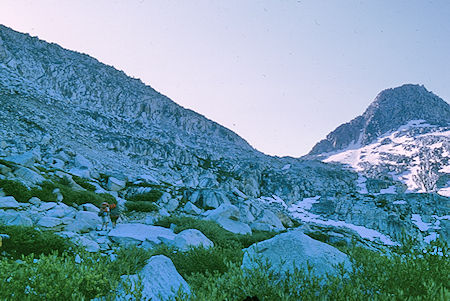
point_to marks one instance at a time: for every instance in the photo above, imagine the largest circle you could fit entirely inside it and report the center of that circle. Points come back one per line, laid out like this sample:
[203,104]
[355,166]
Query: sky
[280,73]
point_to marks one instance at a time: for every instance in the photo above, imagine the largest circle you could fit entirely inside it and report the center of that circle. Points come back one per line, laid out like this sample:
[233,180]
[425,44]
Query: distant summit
[391,109]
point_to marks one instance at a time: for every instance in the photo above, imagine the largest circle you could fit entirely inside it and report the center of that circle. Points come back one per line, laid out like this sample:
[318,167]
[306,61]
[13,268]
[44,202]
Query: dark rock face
[391,109]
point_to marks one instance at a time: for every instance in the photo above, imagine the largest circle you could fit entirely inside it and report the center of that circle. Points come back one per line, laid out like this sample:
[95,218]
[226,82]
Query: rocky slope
[65,116]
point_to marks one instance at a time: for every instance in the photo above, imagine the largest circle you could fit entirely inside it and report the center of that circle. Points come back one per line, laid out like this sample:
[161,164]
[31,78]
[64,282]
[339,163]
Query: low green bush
[45,193]
[151,196]
[84,183]
[16,189]
[141,206]
[200,260]
[27,240]
[407,273]
[53,277]
[70,196]
[130,260]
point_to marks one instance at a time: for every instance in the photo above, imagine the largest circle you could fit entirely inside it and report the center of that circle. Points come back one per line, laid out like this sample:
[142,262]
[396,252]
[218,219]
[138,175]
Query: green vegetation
[151,196]
[16,189]
[45,193]
[84,183]
[27,240]
[6,163]
[60,272]
[408,273]
[141,206]
[144,202]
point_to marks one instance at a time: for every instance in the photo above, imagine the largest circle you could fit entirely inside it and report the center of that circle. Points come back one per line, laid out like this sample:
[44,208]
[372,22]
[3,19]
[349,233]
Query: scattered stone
[25,159]
[270,218]
[115,184]
[133,234]
[171,205]
[88,244]
[89,207]
[29,176]
[84,222]
[47,206]
[15,219]
[80,162]
[35,201]
[49,222]
[191,209]
[8,202]
[208,198]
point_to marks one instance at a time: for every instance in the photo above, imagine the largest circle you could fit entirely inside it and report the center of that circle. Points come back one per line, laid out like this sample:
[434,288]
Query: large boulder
[49,222]
[81,162]
[61,210]
[25,159]
[208,198]
[89,207]
[28,176]
[89,244]
[224,211]
[294,249]
[8,202]
[189,238]
[14,219]
[191,209]
[84,222]
[234,226]
[271,219]
[134,234]
[115,184]
[160,280]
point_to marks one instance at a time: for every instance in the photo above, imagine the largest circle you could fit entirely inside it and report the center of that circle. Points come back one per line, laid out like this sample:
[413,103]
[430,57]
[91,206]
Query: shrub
[53,277]
[151,196]
[84,183]
[408,273]
[130,260]
[201,260]
[70,196]
[16,189]
[141,206]
[27,240]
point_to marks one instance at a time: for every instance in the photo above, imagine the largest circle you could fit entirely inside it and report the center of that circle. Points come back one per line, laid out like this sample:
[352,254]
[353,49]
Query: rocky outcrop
[159,278]
[295,250]
[391,109]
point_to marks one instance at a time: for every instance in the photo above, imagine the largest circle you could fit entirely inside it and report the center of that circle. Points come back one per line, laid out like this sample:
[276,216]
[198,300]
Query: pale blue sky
[282,74]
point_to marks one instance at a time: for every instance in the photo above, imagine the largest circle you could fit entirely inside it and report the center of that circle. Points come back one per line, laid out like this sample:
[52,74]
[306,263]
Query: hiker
[114,214]
[104,214]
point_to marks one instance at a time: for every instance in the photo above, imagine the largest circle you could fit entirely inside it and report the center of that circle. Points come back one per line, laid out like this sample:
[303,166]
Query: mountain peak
[391,109]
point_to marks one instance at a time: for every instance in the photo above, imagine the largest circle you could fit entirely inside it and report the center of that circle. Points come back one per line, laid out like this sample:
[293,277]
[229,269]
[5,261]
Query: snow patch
[400,202]
[300,211]
[417,220]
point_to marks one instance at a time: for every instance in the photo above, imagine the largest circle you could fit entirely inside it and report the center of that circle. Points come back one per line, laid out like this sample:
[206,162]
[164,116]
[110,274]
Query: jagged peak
[391,109]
